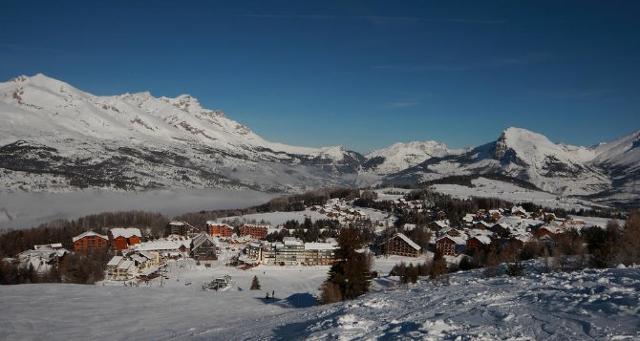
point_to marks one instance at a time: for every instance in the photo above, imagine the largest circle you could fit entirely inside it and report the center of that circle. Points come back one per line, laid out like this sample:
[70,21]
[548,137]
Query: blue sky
[359,74]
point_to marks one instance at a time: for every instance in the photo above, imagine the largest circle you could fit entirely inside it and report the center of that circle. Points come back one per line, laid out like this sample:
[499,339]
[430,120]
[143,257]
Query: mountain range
[54,137]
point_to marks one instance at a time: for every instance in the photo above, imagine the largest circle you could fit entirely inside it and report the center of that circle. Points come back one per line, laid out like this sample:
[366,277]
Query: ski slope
[488,188]
[590,304]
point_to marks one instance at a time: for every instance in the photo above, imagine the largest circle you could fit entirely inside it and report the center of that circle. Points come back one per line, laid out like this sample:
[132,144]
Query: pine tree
[349,277]
[255,284]
[438,265]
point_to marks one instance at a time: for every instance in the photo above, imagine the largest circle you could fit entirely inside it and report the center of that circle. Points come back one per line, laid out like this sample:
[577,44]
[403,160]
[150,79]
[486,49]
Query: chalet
[451,232]
[52,246]
[89,242]
[254,231]
[122,238]
[450,245]
[203,247]
[494,215]
[549,217]
[42,258]
[401,245]
[177,227]
[120,268]
[546,230]
[437,225]
[515,242]
[519,211]
[481,225]
[576,224]
[501,230]
[468,219]
[219,230]
[478,242]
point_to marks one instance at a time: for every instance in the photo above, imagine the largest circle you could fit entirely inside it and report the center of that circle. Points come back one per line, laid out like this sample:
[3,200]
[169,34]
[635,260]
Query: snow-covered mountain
[562,169]
[400,156]
[54,136]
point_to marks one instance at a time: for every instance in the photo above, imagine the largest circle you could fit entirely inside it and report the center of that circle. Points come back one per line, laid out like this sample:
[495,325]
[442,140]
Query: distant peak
[41,80]
[521,134]
[516,131]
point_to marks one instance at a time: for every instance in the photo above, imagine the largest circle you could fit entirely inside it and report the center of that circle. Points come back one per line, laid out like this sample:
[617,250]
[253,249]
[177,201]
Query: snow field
[599,304]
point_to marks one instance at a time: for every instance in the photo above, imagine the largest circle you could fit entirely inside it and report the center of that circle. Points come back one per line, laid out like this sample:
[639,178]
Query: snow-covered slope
[555,168]
[621,160]
[72,138]
[400,156]
[54,137]
[582,305]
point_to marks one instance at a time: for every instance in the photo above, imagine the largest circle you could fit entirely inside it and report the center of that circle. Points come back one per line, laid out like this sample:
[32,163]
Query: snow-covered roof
[125,264]
[409,227]
[484,239]
[88,234]
[320,246]
[292,241]
[126,232]
[518,209]
[213,222]
[551,228]
[52,246]
[115,261]
[177,223]
[442,223]
[200,239]
[459,240]
[408,241]
[162,245]
[523,237]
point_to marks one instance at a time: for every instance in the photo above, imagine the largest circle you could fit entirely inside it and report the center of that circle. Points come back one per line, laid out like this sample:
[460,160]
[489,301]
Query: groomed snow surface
[592,304]
[487,188]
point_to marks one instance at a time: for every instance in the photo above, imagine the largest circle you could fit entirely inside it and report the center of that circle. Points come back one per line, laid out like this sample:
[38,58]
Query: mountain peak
[41,80]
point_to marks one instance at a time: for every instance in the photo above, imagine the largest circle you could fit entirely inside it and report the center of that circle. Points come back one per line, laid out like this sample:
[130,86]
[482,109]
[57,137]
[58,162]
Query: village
[135,259]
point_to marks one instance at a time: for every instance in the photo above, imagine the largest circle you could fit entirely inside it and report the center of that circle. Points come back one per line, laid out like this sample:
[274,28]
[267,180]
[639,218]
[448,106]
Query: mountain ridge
[55,136]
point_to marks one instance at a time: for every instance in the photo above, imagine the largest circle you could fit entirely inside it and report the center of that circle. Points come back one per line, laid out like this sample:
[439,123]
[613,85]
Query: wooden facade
[203,247]
[122,238]
[402,246]
[89,242]
[450,246]
[254,231]
[220,230]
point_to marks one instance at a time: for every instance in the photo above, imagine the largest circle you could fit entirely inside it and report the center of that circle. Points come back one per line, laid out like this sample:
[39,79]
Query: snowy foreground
[600,304]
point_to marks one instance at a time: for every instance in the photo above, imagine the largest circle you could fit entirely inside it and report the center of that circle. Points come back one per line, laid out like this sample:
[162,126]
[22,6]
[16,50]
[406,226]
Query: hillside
[600,304]
[56,138]
[606,173]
